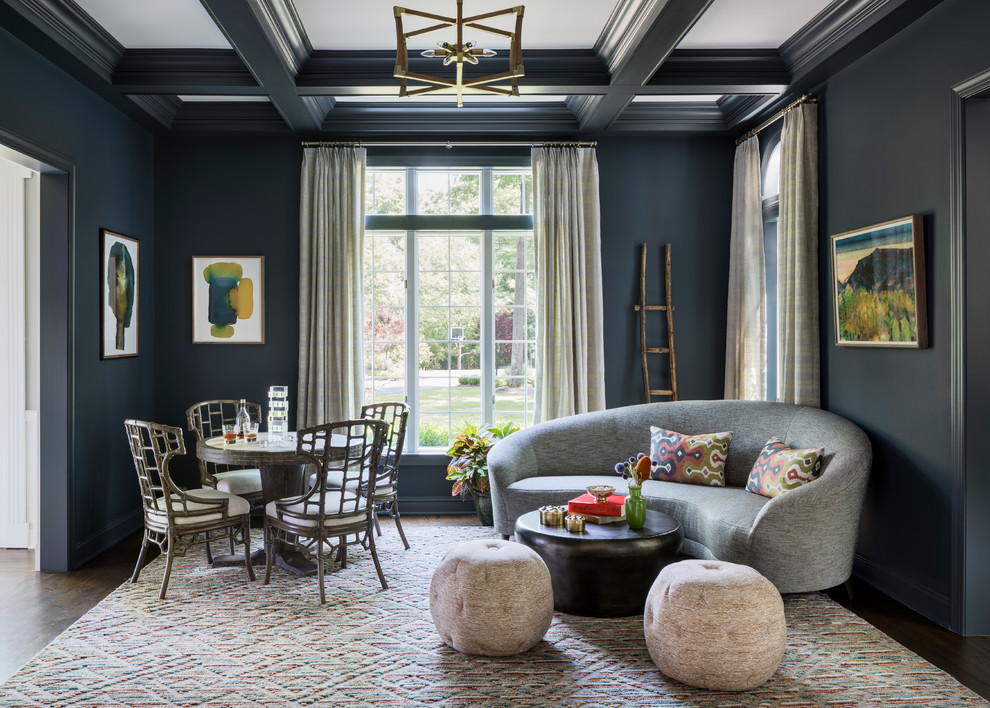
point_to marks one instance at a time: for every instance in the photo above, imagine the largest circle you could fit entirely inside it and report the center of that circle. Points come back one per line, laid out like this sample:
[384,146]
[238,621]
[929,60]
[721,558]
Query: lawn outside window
[449,298]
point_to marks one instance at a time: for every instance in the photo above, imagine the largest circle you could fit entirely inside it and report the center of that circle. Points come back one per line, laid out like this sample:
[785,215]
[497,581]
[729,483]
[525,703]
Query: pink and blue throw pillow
[780,468]
[689,459]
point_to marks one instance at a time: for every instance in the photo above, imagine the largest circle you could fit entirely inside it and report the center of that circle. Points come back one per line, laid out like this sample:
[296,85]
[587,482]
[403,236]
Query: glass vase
[635,507]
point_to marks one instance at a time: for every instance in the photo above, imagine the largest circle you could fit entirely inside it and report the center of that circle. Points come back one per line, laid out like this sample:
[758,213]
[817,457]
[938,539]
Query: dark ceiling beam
[205,117]
[372,72]
[392,118]
[642,118]
[255,39]
[721,71]
[162,107]
[184,71]
[669,26]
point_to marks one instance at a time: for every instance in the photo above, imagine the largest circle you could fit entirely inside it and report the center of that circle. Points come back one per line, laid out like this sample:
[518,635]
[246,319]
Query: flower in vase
[636,469]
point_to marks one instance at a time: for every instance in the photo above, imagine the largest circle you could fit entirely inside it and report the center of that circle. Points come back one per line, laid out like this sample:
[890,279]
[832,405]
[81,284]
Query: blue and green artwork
[231,297]
[120,290]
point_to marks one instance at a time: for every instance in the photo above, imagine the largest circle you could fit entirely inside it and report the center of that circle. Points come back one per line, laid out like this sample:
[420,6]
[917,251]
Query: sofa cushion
[719,518]
[780,468]
[689,459]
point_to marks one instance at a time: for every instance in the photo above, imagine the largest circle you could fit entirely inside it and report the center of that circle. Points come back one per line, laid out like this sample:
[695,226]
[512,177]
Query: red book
[586,504]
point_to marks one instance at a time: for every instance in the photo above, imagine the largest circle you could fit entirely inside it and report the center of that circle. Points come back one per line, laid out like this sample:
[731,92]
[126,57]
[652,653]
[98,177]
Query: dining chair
[323,520]
[175,519]
[396,416]
[206,420]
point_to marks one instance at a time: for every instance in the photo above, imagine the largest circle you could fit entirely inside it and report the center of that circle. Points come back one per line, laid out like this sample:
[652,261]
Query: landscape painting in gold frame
[878,281]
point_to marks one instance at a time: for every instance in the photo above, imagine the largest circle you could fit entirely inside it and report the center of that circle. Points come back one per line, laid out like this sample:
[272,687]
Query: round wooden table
[283,475]
[608,570]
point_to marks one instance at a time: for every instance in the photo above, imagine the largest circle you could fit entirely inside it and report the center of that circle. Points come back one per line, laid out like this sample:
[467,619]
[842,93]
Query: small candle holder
[552,515]
[574,523]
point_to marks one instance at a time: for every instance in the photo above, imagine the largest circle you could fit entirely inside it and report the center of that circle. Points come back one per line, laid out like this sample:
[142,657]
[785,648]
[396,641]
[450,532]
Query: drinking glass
[251,434]
[229,433]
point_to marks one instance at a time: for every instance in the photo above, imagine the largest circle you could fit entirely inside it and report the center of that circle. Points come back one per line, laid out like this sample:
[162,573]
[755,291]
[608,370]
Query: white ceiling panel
[678,98]
[157,24]
[750,24]
[449,97]
[370,24]
[224,99]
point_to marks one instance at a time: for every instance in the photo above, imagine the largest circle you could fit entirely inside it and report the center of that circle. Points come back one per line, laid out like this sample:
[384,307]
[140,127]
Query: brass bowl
[601,492]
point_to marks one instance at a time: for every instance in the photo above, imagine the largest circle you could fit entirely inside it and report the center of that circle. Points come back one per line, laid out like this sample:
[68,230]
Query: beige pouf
[491,597]
[715,625]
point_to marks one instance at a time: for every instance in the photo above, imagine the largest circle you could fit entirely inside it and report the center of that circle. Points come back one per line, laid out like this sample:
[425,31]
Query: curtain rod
[446,144]
[806,98]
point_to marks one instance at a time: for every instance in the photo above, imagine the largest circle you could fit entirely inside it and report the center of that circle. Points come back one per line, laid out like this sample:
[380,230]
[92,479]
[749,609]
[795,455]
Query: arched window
[770,171]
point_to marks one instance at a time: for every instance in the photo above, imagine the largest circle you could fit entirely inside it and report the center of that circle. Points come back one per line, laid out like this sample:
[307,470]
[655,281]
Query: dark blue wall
[885,123]
[675,190]
[225,197]
[240,196]
[44,112]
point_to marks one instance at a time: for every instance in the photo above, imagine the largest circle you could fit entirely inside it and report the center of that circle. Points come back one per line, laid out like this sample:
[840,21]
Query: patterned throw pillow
[690,459]
[780,468]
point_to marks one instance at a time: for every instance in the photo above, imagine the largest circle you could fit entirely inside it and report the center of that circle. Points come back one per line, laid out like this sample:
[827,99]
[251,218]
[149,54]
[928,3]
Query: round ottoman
[491,597]
[715,625]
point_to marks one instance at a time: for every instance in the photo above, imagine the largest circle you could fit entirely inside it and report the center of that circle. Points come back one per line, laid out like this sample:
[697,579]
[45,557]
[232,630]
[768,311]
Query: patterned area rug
[219,640]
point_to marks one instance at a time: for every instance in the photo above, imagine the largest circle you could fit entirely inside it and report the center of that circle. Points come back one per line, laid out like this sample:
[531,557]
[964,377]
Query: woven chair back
[396,416]
[206,420]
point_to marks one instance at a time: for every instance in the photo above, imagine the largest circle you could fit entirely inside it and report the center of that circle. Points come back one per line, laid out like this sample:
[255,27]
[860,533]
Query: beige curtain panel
[331,240]
[570,375]
[798,368]
[746,329]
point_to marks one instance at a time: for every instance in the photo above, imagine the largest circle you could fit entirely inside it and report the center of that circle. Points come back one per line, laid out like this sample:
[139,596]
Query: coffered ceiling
[325,67]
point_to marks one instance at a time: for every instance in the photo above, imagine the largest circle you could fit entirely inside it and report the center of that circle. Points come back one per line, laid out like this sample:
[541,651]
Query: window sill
[424,459]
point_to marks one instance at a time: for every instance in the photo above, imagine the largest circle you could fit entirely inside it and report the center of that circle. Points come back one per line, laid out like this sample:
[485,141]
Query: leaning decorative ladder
[668,308]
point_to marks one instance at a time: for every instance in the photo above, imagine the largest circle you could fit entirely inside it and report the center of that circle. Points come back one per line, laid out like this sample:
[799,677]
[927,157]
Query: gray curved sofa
[802,540]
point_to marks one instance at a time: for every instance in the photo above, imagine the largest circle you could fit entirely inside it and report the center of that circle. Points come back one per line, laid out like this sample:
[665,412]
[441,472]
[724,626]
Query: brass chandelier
[459,52]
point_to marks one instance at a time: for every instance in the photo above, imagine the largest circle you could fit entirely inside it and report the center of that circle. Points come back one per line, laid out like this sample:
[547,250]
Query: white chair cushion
[239,481]
[331,505]
[236,507]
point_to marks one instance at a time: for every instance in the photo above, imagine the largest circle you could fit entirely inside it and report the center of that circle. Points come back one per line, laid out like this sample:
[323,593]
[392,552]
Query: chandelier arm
[425,89]
[424,30]
[490,30]
[472,83]
[491,89]
[515,47]
[430,16]
[431,79]
[497,13]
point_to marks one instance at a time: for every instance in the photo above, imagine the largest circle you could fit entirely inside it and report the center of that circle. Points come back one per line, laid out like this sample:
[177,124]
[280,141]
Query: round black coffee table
[608,570]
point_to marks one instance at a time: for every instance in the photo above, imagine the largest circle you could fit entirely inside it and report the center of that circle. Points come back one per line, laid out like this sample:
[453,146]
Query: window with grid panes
[449,298]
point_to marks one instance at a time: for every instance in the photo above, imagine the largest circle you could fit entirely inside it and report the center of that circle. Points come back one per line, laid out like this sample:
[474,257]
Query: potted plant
[468,468]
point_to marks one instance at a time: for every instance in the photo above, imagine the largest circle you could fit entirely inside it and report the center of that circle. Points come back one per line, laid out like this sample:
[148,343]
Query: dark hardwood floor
[37,607]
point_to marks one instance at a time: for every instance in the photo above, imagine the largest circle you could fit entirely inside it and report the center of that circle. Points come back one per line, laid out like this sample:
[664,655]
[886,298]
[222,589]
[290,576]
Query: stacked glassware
[278,413]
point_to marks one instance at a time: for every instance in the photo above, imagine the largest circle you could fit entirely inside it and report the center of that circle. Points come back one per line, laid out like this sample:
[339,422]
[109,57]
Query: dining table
[283,475]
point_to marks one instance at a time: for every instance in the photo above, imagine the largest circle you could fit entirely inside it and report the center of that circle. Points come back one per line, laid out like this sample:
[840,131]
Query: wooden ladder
[642,308]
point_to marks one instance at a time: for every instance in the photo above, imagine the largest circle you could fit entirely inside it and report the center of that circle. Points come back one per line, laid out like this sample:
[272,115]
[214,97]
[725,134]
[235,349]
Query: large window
[449,297]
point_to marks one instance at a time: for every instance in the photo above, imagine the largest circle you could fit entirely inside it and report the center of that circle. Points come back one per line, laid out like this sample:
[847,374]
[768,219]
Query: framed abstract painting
[879,285]
[228,299]
[118,295]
